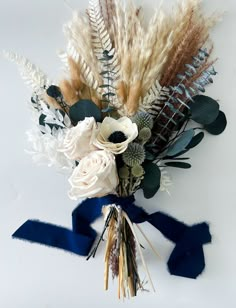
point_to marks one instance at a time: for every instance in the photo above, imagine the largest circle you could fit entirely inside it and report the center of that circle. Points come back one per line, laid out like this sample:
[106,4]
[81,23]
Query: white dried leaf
[44,149]
[59,116]
[48,129]
[43,129]
[67,121]
[31,74]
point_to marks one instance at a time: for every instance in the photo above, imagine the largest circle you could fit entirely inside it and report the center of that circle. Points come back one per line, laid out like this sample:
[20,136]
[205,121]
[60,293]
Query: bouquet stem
[120,254]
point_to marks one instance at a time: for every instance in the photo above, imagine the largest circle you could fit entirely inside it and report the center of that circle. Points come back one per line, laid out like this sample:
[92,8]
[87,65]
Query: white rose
[78,141]
[95,176]
[124,126]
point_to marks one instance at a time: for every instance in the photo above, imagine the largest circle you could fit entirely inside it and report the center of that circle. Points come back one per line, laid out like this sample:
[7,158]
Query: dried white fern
[80,49]
[104,51]
[86,71]
[30,73]
[100,36]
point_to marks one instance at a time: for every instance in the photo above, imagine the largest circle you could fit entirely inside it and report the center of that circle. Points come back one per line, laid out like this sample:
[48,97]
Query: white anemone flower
[115,135]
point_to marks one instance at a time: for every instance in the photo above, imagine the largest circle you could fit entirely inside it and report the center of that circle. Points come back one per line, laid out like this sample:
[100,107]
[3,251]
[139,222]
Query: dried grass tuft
[159,51]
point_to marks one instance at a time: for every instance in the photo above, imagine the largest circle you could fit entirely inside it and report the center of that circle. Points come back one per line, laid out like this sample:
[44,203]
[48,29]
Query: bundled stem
[120,255]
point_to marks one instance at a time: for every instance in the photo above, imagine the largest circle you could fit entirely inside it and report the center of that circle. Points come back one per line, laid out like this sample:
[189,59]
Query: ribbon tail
[55,236]
[79,240]
[187,258]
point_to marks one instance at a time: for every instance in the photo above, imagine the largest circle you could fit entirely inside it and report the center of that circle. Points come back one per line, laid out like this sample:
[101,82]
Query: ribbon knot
[187,258]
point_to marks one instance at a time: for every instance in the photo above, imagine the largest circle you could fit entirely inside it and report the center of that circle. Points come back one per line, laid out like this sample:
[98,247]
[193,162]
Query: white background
[33,276]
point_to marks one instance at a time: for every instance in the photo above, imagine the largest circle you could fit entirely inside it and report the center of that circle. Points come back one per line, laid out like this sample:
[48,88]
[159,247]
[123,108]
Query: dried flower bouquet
[116,120]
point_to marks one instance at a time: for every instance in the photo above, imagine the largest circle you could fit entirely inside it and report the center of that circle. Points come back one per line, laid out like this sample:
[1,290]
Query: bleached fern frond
[30,73]
[100,36]
[86,71]
[80,49]
[104,52]
[108,12]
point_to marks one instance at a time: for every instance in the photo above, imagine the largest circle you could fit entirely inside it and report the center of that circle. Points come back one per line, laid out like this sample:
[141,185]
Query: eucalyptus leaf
[151,182]
[108,109]
[85,108]
[180,153]
[195,141]
[175,158]
[204,109]
[218,126]
[181,143]
[108,94]
[149,156]
[106,55]
[104,73]
[104,86]
[178,164]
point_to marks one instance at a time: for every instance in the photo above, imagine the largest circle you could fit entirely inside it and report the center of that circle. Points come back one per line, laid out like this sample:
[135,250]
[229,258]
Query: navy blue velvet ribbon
[186,259]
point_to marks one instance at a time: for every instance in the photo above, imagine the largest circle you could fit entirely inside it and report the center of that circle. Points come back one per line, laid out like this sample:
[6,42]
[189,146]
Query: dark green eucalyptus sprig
[205,112]
[108,75]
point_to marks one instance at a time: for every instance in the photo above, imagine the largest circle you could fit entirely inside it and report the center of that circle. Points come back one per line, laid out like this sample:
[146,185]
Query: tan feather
[69,92]
[51,101]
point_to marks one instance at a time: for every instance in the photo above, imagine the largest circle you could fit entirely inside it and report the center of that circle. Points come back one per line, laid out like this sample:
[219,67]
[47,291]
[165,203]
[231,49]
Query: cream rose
[95,176]
[115,135]
[78,141]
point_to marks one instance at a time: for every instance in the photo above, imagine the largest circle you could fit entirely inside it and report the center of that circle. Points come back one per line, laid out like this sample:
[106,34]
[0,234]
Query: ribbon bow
[186,259]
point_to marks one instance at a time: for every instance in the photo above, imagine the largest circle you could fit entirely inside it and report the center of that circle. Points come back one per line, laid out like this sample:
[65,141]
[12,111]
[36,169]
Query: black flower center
[117,137]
